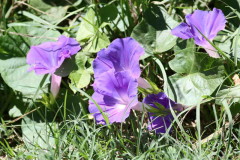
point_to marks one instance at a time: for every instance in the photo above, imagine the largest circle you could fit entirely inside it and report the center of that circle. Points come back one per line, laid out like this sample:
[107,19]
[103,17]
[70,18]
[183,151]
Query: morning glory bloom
[160,123]
[47,57]
[116,95]
[117,73]
[209,23]
[122,54]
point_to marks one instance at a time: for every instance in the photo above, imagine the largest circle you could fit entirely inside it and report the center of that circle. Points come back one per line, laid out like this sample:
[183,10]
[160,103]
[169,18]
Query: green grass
[78,137]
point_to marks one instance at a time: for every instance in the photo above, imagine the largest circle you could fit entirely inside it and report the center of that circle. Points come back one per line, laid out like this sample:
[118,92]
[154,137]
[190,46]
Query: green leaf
[197,75]
[96,43]
[54,14]
[190,89]
[80,78]
[154,31]
[81,60]
[14,112]
[184,44]
[223,41]
[229,95]
[146,35]
[45,5]
[17,105]
[165,41]
[89,33]
[88,26]
[14,73]
[39,4]
[38,134]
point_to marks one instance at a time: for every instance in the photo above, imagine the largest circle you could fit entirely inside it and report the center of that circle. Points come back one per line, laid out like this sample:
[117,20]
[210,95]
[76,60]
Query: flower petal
[55,84]
[211,50]
[159,123]
[69,45]
[47,57]
[115,112]
[160,98]
[209,23]
[102,63]
[116,94]
[183,31]
[119,85]
[123,54]
[43,62]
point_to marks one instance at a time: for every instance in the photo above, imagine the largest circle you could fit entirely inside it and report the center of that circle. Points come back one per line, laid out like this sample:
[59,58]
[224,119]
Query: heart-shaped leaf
[197,75]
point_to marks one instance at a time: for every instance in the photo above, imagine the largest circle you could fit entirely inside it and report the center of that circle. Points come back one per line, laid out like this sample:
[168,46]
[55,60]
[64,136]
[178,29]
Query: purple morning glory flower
[159,123]
[49,56]
[122,54]
[116,73]
[209,23]
[116,94]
